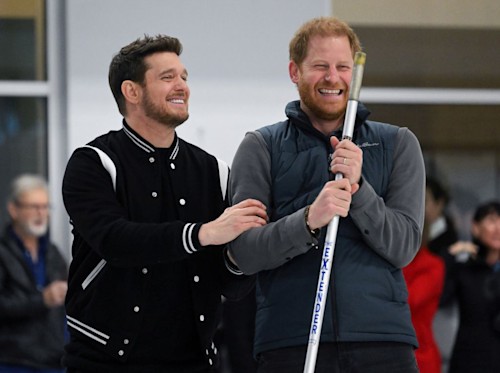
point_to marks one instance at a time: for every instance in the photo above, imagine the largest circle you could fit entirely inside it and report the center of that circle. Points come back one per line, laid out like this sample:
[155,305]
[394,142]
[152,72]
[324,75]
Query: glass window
[22,40]
[23,140]
[458,127]
[23,119]
[430,57]
[461,147]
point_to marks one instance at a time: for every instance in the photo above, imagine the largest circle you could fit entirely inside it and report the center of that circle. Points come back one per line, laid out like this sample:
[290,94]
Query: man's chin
[174,122]
[329,112]
[327,115]
[182,120]
[37,230]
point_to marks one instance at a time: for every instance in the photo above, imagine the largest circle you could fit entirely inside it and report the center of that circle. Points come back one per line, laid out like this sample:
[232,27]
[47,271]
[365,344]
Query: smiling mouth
[330,92]
[176,100]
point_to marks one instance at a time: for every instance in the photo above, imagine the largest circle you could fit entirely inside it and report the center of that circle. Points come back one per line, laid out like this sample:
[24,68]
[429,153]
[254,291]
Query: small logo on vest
[367,144]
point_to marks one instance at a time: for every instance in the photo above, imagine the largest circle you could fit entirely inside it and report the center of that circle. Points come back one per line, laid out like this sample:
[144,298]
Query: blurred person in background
[473,278]
[441,233]
[33,284]
[425,280]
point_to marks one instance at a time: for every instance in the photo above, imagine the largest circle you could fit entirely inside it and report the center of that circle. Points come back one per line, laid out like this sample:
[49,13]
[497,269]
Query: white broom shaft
[331,233]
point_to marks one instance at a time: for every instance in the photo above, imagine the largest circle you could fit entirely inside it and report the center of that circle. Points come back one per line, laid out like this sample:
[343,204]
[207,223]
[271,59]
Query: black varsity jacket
[112,193]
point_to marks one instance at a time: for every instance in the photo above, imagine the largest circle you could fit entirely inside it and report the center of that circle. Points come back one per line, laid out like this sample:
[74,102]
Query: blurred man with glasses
[33,284]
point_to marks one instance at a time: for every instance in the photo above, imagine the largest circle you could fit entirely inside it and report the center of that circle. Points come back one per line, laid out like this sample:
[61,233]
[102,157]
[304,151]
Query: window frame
[54,90]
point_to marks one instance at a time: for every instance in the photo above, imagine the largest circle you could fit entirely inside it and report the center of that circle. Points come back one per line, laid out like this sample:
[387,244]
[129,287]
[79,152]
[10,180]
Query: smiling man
[290,167]
[150,223]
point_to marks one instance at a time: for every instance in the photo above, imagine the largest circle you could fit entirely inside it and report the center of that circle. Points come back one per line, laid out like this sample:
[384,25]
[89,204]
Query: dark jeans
[346,357]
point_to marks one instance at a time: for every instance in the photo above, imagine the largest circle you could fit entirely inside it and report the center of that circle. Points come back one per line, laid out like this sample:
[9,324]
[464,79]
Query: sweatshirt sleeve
[277,242]
[392,227]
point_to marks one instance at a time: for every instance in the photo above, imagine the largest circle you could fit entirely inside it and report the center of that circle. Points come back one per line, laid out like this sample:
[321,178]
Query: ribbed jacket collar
[144,145]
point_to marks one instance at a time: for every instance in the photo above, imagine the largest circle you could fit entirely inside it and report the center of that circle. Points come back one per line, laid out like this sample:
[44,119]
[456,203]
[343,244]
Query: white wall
[236,53]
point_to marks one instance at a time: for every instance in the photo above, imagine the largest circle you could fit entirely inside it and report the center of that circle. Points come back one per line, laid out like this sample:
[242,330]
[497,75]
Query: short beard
[152,111]
[35,230]
[317,110]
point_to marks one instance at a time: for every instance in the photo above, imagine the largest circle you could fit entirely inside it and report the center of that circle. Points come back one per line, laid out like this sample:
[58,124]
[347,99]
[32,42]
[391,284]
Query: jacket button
[202,318]
[144,270]
[126,341]
[136,309]
[172,166]
[154,194]
[196,279]
[151,160]
[121,352]
[182,201]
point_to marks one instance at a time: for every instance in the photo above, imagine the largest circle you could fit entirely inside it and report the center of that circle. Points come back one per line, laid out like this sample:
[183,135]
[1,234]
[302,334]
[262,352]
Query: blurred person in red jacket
[425,280]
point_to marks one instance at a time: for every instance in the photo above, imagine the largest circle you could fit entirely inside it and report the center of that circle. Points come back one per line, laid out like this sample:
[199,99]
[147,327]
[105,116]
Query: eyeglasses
[33,206]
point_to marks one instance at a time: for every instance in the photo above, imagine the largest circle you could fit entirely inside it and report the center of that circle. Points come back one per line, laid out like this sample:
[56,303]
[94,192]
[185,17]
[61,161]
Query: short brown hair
[322,26]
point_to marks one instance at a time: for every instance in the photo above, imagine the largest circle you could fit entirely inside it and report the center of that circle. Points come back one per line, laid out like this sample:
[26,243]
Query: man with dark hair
[440,234]
[440,228]
[290,167]
[473,281]
[33,284]
[150,224]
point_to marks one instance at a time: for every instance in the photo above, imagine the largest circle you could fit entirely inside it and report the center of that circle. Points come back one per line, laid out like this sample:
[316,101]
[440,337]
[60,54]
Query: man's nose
[331,74]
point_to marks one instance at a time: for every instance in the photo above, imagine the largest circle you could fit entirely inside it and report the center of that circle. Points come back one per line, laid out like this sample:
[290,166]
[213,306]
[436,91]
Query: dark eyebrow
[173,70]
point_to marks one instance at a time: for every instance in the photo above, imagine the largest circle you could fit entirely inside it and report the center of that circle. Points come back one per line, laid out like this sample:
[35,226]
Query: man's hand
[334,199]
[235,220]
[347,159]
[55,293]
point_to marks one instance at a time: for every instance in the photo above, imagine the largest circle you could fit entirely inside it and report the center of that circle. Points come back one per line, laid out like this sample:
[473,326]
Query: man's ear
[131,91]
[11,208]
[293,71]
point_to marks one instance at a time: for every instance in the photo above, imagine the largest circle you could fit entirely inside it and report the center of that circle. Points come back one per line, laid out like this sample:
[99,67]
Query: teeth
[177,101]
[330,91]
